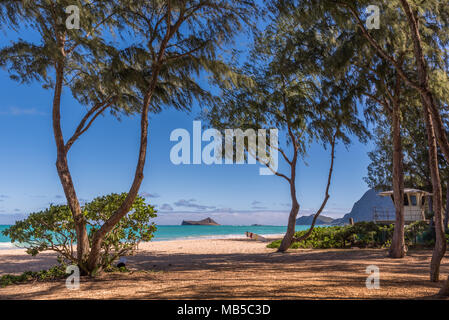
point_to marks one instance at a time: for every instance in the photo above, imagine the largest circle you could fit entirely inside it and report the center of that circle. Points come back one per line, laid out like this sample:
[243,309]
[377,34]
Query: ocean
[166,233]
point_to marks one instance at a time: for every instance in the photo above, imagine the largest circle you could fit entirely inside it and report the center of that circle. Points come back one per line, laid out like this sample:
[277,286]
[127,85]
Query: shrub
[361,234]
[321,237]
[57,272]
[54,273]
[418,232]
[370,234]
[53,229]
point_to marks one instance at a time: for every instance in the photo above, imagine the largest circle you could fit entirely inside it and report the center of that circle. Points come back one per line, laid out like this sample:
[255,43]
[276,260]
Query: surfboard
[255,236]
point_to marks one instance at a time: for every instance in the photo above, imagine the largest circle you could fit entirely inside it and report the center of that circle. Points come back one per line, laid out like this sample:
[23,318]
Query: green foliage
[53,229]
[418,232]
[91,63]
[122,269]
[127,233]
[286,84]
[179,38]
[361,234]
[321,237]
[128,56]
[414,146]
[372,79]
[54,273]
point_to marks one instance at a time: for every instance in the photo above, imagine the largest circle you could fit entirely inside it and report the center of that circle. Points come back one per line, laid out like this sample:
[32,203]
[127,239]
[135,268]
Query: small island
[204,222]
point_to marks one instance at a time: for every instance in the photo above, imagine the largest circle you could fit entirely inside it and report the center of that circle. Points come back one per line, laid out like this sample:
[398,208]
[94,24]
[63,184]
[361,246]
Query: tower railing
[389,215]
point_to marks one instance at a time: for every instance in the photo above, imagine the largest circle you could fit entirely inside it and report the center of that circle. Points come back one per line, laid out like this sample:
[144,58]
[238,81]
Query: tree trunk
[82,244]
[95,251]
[288,237]
[98,237]
[397,249]
[446,210]
[445,289]
[82,241]
[440,240]
[287,240]
[436,132]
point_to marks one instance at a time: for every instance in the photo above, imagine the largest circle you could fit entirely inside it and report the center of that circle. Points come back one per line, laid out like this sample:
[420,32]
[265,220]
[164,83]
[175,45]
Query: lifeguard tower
[415,204]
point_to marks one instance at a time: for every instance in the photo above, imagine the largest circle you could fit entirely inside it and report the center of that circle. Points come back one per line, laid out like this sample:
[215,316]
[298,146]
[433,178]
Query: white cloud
[15,111]
[166,207]
[150,195]
[191,204]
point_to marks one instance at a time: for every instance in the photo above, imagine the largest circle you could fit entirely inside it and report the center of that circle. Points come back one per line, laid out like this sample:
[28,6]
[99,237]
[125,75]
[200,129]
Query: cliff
[363,208]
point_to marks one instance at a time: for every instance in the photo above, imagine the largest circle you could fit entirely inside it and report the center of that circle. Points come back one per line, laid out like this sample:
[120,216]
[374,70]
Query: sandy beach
[235,269]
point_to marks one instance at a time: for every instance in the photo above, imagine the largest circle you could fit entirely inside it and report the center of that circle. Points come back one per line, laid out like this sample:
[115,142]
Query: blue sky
[103,161]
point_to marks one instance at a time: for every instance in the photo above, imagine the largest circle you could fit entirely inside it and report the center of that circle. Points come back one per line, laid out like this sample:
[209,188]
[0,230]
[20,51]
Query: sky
[103,161]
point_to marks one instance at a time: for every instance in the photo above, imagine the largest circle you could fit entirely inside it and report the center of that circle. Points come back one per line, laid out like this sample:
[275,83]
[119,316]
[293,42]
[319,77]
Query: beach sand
[235,269]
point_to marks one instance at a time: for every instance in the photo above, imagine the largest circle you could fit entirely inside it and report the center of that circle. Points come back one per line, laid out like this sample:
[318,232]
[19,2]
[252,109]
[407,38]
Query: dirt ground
[236,269]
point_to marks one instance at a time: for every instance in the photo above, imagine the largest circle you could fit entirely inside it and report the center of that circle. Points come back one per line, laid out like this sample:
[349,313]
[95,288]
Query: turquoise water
[2,237]
[165,233]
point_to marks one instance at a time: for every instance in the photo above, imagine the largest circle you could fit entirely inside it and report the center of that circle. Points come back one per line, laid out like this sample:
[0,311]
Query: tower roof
[406,190]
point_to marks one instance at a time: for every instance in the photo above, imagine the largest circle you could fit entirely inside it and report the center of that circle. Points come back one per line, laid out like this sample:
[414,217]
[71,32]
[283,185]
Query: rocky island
[204,222]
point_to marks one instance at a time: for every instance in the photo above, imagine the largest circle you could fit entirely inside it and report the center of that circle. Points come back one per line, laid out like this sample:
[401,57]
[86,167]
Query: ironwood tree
[292,92]
[424,25]
[428,48]
[166,45]
[176,40]
[78,59]
[370,80]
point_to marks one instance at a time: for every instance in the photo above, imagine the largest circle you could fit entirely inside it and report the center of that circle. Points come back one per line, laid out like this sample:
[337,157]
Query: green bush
[361,234]
[54,229]
[419,233]
[54,273]
[57,272]
[321,237]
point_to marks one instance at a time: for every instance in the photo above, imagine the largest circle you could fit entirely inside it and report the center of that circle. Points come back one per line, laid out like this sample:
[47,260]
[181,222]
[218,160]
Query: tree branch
[326,197]
[283,154]
[378,48]
[95,111]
